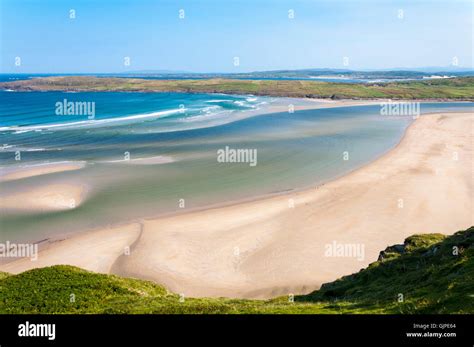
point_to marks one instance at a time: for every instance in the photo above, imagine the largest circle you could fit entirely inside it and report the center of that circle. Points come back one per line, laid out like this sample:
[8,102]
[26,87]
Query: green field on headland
[429,273]
[461,88]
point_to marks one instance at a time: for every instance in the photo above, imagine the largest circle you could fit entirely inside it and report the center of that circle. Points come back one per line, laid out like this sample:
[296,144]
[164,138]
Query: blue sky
[369,33]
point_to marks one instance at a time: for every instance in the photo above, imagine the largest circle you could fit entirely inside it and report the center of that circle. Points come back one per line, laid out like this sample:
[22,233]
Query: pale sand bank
[159,159]
[51,197]
[299,104]
[37,170]
[265,248]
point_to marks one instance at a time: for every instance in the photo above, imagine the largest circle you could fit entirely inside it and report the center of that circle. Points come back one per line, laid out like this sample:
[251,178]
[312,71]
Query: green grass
[424,270]
[429,276]
[461,88]
[3,275]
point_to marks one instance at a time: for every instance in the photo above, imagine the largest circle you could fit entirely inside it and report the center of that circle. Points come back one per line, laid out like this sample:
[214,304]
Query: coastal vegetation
[429,273]
[461,88]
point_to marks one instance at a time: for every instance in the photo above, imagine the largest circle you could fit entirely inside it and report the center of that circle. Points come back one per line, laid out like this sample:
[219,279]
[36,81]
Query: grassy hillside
[426,269]
[455,88]
[427,272]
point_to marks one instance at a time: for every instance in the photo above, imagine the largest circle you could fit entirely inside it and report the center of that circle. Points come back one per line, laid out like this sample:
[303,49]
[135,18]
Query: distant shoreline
[451,89]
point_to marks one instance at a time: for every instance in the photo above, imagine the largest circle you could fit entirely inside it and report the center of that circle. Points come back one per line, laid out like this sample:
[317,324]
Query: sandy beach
[278,245]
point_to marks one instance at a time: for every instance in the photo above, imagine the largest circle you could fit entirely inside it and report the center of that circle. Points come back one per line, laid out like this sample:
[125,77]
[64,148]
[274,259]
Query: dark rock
[400,249]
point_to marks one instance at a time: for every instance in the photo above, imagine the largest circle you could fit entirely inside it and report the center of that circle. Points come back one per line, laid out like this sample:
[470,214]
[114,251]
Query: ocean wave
[203,117]
[218,100]
[210,109]
[78,124]
[11,148]
[247,102]
[32,149]
[22,131]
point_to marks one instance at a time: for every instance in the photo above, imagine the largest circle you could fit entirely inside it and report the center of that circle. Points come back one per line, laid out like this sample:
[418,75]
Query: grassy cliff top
[461,88]
[434,273]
